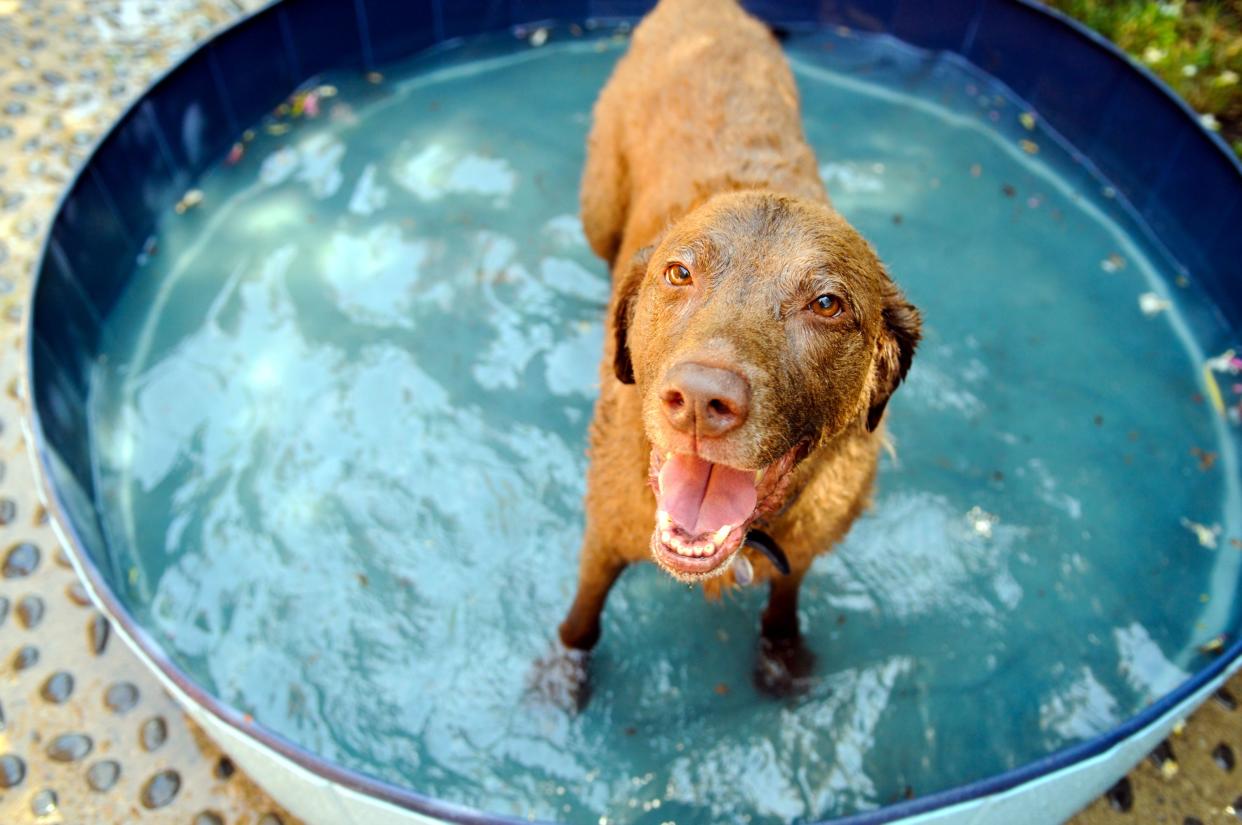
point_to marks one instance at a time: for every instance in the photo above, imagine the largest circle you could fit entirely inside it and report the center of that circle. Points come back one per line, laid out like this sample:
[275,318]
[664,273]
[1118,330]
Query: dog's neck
[830,457]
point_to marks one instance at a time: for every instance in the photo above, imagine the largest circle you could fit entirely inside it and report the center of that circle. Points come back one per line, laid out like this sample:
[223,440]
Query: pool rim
[360,782]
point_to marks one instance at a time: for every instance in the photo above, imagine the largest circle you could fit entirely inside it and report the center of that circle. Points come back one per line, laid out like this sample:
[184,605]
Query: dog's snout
[709,401]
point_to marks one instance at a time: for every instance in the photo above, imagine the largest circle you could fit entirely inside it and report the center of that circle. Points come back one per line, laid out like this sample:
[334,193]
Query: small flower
[1154,55]
[1209,121]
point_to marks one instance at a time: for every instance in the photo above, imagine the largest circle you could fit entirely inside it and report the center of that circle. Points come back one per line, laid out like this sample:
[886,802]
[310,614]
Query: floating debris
[1028,120]
[326,91]
[1029,146]
[1008,190]
[1213,390]
[1215,645]
[375,78]
[975,170]
[277,129]
[1228,362]
[1152,304]
[1207,458]
[305,104]
[981,521]
[188,201]
[539,37]
[1207,536]
[1113,263]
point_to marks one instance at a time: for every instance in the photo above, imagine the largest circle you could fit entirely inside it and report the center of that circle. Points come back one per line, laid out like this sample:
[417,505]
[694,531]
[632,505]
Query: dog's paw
[562,678]
[784,667]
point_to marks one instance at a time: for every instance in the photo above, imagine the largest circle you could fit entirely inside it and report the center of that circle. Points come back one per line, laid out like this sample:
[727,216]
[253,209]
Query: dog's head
[758,328]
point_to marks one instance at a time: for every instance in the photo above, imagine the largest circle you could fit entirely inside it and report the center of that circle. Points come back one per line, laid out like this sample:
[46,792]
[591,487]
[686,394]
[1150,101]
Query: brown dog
[753,337]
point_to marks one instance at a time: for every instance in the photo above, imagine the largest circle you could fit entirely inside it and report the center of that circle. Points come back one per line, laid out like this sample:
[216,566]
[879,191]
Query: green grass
[1196,47]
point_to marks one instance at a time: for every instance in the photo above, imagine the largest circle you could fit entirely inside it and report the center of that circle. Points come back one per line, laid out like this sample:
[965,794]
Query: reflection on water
[340,435]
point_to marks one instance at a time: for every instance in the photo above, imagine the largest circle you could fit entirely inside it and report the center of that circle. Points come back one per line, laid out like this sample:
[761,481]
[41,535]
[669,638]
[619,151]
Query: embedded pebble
[103,775]
[20,561]
[208,818]
[57,688]
[30,611]
[121,697]
[45,803]
[1223,757]
[8,510]
[12,770]
[225,768]
[69,747]
[98,631]
[161,789]
[26,656]
[77,594]
[154,733]
[1121,796]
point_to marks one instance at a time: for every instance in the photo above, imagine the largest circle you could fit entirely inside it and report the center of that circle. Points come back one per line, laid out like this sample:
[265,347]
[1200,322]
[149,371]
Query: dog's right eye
[677,275]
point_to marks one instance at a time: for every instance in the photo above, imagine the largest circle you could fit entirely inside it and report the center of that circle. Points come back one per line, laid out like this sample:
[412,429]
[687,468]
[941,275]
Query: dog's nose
[708,400]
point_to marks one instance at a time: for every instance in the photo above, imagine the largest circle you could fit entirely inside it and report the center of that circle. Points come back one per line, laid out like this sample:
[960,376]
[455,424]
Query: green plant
[1196,47]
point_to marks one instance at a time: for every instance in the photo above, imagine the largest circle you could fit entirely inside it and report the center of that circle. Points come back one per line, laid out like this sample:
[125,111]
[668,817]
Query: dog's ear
[898,340]
[630,279]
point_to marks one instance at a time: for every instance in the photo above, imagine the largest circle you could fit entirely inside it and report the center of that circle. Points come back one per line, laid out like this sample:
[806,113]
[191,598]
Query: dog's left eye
[677,275]
[827,306]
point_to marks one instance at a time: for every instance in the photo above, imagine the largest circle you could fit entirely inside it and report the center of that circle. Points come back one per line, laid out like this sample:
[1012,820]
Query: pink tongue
[702,497]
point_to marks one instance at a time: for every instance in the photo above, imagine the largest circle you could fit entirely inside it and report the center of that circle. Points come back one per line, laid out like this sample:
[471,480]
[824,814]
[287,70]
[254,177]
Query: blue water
[339,430]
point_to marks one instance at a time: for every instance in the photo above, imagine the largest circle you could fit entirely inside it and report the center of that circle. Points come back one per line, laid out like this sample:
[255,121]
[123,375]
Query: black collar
[765,544]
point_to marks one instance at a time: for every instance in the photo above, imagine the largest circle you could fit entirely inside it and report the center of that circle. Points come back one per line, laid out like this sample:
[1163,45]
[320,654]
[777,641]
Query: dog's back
[703,102]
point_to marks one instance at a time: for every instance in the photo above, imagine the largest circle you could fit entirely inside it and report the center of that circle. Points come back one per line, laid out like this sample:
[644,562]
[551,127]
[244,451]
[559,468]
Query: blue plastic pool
[317,440]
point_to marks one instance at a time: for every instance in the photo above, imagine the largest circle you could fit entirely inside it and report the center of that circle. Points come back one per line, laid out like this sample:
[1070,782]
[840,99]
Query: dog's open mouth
[703,510]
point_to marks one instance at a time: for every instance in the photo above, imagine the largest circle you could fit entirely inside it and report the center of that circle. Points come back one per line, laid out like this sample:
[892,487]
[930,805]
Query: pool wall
[1173,176]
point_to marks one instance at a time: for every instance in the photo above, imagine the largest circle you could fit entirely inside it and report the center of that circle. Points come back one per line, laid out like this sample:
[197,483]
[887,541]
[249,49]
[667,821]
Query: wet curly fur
[697,153]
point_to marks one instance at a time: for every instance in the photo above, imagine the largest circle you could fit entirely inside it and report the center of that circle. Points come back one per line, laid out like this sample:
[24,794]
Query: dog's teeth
[666,537]
[723,533]
[664,520]
[708,548]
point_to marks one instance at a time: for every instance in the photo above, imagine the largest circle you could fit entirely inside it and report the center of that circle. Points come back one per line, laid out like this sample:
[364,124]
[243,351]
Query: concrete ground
[86,733]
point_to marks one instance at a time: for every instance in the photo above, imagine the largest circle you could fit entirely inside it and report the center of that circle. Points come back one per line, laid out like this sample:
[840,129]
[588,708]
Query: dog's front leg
[780,619]
[785,664]
[598,570]
[563,677]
